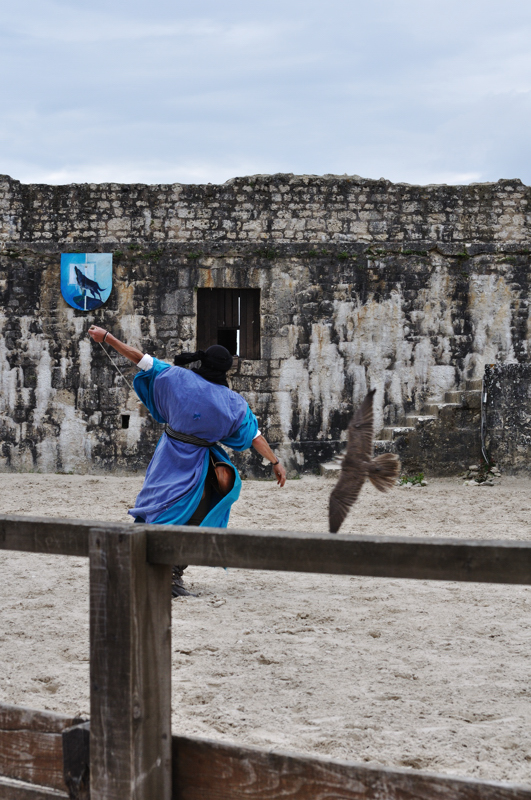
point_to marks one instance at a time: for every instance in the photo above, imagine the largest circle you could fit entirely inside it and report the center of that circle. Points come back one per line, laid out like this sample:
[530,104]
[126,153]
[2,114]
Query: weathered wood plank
[377,556]
[15,718]
[250,323]
[31,747]
[68,537]
[13,790]
[209,770]
[231,308]
[255,322]
[130,669]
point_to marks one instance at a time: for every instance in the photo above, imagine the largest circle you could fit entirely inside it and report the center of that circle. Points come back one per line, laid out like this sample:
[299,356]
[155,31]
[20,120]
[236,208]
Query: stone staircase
[442,440]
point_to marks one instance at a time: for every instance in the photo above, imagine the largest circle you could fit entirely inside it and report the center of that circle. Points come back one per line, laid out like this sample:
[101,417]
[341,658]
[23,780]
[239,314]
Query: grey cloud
[398,89]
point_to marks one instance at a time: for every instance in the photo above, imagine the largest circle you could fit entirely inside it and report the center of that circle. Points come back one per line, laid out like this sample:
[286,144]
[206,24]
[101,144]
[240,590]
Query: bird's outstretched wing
[355,464]
[344,495]
[361,430]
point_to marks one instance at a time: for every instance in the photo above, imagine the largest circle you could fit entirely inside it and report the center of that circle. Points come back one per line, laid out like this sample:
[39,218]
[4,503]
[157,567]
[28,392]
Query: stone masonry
[408,289]
[508,416]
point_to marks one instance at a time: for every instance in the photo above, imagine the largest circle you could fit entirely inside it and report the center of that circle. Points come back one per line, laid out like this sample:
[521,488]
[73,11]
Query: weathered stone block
[180,301]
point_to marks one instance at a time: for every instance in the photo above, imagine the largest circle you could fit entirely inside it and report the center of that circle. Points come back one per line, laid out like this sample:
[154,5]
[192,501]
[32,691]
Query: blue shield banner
[86,279]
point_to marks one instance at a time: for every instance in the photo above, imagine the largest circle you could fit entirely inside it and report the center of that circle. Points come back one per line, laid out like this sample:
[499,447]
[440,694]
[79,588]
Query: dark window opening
[125,421]
[230,317]
[229,339]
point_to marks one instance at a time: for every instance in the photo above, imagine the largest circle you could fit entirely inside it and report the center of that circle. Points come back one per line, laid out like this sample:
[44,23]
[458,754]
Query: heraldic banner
[86,279]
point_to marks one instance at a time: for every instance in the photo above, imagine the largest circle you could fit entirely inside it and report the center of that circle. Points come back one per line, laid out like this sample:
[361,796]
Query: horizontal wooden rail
[482,561]
[31,747]
[61,537]
[376,556]
[202,768]
[219,771]
[14,790]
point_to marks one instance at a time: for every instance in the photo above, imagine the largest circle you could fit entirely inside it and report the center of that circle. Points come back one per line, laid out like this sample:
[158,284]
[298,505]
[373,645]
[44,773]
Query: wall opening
[230,317]
[125,421]
[229,339]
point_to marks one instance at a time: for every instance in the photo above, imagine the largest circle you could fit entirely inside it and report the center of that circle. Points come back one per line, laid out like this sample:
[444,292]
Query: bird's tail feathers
[383,471]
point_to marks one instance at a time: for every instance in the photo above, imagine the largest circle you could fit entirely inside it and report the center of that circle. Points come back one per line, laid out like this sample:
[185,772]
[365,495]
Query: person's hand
[280,473]
[97,333]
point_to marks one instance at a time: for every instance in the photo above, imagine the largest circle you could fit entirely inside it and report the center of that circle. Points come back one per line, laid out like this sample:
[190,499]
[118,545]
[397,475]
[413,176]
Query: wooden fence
[127,752]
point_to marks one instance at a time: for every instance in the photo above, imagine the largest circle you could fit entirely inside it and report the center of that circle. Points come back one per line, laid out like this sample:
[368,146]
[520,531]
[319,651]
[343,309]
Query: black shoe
[177,584]
[179,591]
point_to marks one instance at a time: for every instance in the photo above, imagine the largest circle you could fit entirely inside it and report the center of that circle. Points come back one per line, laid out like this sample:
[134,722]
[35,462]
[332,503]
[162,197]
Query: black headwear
[214,363]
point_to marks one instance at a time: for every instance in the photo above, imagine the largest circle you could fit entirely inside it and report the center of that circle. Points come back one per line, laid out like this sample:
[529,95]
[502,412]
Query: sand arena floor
[410,673]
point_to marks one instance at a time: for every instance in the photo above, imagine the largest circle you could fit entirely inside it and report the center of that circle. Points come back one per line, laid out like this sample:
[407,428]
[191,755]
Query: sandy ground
[410,673]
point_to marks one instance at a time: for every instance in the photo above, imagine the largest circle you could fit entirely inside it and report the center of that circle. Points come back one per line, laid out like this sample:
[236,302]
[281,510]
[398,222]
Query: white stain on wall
[43,391]
[374,347]
[318,380]
[327,375]
[71,442]
[491,302]
[434,305]
[293,392]
[85,362]
[8,377]
[47,452]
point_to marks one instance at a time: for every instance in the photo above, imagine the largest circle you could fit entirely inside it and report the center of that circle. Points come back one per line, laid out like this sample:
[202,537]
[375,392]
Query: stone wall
[265,208]
[408,289]
[508,416]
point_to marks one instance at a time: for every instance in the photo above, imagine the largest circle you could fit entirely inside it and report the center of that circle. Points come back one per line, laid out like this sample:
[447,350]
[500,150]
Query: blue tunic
[176,475]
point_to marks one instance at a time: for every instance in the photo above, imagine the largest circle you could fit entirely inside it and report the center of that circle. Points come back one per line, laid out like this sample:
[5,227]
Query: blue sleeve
[143,386]
[243,438]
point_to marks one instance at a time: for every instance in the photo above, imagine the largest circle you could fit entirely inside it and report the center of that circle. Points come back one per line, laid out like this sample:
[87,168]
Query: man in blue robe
[190,479]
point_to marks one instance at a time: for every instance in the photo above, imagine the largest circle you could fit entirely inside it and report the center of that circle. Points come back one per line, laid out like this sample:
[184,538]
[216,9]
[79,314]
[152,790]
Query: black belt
[187,438]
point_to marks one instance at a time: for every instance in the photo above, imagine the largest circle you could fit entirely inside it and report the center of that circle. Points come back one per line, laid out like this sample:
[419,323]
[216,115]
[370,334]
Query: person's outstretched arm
[99,334]
[261,446]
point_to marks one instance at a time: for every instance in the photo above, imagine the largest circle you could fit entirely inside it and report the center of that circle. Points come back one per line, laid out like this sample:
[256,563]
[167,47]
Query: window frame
[229,309]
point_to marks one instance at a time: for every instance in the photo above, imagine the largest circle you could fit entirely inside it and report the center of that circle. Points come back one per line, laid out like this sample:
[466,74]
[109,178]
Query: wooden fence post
[130,669]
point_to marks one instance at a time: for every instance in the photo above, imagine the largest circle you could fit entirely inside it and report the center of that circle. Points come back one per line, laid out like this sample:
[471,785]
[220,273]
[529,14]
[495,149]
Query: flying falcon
[359,464]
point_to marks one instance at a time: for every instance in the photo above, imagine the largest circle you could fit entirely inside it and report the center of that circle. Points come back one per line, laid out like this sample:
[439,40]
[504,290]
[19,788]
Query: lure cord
[115,365]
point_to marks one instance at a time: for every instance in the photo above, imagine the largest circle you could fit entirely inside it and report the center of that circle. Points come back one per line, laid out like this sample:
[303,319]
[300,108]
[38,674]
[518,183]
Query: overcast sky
[195,92]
